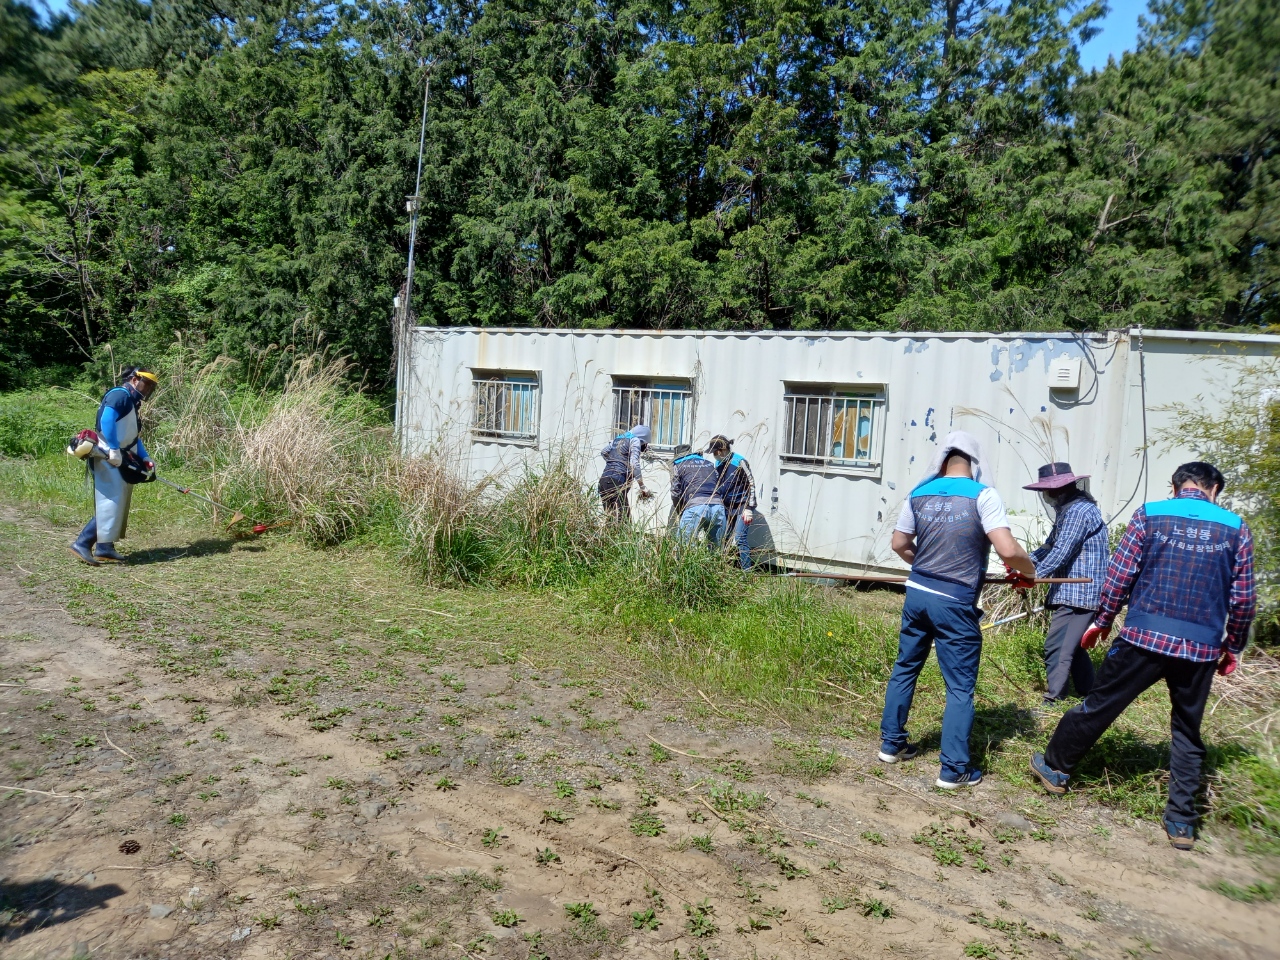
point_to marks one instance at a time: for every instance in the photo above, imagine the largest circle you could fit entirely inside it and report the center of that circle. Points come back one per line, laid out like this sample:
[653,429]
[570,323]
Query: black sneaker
[1055,781]
[970,778]
[907,751]
[1181,835]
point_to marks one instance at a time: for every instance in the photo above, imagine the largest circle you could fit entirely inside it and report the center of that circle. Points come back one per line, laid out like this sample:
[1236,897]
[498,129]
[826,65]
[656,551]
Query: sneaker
[81,552]
[1181,835]
[970,778]
[106,553]
[907,751]
[1055,781]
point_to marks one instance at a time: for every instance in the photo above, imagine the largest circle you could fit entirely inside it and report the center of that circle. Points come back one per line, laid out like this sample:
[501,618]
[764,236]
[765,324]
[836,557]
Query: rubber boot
[106,553]
[82,547]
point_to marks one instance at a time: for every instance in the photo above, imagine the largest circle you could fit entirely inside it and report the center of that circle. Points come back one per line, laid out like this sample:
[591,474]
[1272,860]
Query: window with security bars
[506,406]
[833,426]
[665,407]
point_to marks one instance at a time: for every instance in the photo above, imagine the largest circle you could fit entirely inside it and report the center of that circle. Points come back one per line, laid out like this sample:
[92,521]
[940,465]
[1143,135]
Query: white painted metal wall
[995,386]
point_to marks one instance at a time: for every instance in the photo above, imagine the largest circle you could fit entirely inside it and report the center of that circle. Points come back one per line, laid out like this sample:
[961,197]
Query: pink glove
[747,517]
[1092,636]
[1019,581]
[1227,663]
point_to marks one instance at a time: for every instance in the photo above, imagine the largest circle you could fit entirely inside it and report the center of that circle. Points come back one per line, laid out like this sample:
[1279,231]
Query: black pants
[1126,673]
[613,497]
[1064,661]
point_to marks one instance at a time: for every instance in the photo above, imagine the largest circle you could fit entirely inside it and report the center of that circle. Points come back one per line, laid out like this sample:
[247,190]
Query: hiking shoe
[1055,781]
[1181,835]
[82,553]
[907,751]
[970,778]
[106,553]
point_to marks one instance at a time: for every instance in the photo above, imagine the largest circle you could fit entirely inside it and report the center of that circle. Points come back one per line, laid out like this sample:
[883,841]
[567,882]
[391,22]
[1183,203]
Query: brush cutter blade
[235,518]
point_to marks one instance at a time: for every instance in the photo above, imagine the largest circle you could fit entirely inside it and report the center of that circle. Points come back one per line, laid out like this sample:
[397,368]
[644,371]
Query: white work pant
[111,497]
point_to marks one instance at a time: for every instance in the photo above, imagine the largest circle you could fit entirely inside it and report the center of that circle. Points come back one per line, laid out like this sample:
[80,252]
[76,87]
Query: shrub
[37,422]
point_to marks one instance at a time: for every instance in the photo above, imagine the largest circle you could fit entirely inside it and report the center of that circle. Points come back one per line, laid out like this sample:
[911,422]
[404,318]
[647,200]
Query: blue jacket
[622,458]
[694,482]
[1188,565]
[951,545]
[118,420]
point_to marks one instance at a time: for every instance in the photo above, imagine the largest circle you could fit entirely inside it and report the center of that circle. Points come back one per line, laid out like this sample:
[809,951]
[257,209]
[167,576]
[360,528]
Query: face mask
[1050,503]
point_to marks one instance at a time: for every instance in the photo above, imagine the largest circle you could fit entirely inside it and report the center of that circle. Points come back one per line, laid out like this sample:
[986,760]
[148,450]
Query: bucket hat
[1053,476]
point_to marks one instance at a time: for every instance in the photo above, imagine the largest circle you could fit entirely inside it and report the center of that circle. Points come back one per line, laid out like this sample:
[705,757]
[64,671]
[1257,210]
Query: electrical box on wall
[1064,373]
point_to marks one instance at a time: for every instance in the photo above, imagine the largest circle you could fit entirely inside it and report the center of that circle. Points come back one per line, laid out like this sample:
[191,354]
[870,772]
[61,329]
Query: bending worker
[117,427]
[695,495]
[1185,567]
[739,489]
[946,530]
[621,467]
[1077,547]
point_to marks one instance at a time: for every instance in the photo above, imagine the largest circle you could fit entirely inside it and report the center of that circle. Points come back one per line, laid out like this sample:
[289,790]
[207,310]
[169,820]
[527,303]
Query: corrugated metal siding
[993,386]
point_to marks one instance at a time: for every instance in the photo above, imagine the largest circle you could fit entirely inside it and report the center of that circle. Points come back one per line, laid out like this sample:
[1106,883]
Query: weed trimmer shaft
[236,515]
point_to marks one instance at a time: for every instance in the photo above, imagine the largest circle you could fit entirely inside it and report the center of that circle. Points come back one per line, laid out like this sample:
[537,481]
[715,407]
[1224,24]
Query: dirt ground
[447,805]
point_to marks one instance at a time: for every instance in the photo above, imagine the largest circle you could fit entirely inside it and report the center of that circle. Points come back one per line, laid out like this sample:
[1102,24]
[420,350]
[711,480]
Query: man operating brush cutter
[117,460]
[1185,567]
[946,531]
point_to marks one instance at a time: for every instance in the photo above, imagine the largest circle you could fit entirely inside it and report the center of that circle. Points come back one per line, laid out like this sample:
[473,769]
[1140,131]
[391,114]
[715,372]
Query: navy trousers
[928,621]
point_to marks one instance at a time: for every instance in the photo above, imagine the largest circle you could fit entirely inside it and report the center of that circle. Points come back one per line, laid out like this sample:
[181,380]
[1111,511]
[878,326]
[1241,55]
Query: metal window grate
[839,429]
[665,408]
[506,407]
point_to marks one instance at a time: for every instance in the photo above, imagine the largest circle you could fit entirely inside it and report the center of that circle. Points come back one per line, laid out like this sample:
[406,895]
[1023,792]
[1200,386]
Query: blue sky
[1119,31]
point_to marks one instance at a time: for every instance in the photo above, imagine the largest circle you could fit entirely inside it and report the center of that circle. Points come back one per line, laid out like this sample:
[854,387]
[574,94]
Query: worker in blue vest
[945,532]
[621,468]
[118,430]
[738,487]
[695,496]
[1185,567]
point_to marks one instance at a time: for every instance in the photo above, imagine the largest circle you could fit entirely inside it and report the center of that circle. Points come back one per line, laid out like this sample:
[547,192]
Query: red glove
[1227,663]
[1019,581]
[1092,636]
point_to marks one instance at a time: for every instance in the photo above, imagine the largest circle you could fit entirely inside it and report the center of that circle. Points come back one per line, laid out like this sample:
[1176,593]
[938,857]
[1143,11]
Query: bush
[36,422]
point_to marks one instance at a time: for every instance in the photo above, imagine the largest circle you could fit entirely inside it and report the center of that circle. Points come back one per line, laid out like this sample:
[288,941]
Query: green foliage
[239,178]
[36,422]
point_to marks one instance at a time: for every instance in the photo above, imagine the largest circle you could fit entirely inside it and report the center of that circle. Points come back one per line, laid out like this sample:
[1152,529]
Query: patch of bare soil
[514,813]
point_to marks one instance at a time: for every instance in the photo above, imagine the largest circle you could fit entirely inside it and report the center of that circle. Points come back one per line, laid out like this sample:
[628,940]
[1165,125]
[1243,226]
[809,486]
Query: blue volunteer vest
[698,476]
[735,492]
[1188,564]
[951,546]
[617,463]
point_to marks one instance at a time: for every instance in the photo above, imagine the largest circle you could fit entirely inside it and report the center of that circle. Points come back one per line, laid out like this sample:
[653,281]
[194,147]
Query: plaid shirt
[1077,547]
[1125,566]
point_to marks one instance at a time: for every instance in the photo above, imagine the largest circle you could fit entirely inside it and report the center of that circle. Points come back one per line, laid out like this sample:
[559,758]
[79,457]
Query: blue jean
[708,515]
[928,619]
[739,531]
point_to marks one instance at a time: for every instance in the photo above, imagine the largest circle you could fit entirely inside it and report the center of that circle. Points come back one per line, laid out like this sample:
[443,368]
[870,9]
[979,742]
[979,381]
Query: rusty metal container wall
[994,386]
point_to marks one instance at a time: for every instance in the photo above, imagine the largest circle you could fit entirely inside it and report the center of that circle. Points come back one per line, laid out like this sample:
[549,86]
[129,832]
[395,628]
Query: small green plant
[699,919]
[872,836]
[87,742]
[506,918]
[445,783]
[876,908]
[201,715]
[832,904]
[564,790]
[979,950]
[555,816]
[646,824]
[788,868]
[343,941]
[702,842]
[645,920]
[658,753]
[602,803]
[178,819]
[581,912]
[221,735]
[491,838]
[1093,913]
[1041,834]
[267,921]
[547,856]
[1260,892]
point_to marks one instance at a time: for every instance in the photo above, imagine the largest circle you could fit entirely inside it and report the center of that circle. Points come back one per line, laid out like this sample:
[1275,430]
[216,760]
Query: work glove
[1093,635]
[115,458]
[747,517]
[645,494]
[1019,581]
[1227,663]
